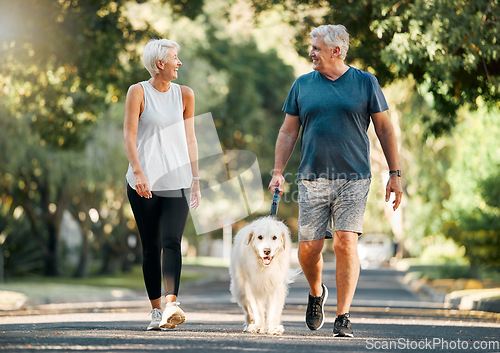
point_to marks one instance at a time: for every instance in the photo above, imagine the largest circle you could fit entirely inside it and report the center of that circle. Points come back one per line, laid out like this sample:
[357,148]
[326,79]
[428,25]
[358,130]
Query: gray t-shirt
[335,116]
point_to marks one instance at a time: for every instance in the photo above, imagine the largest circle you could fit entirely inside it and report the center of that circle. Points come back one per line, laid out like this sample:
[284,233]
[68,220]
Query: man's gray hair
[156,49]
[334,36]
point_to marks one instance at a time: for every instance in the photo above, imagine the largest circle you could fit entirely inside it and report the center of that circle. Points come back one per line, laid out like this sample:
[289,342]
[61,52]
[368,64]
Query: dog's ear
[249,237]
[285,234]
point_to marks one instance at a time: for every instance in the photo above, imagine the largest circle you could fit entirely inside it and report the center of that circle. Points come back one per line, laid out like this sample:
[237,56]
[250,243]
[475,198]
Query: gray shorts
[324,202]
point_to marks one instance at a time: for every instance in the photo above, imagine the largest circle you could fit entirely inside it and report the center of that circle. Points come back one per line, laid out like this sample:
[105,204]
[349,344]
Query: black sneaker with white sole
[342,326]
[315,313]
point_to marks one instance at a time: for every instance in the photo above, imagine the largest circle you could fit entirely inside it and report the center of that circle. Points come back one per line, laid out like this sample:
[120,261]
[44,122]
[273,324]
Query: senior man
[334,105]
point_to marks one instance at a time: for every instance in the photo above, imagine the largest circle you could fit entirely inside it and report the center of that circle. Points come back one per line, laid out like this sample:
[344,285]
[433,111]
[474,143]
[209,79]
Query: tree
[63,62]
[34,179]
[472,213]
[19,252]
[250,115]
[103,191]
[38,183]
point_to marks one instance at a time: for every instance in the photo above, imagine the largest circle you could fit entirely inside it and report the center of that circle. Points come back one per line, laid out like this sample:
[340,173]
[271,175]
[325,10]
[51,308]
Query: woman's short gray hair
[335,36]
[157,49]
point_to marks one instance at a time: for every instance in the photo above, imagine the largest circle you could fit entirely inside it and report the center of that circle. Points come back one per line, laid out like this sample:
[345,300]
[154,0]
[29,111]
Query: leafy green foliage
[424,162]
[490,189]
[33,184]
[188,8]
[451,181]
[20,253]
[479,229]
[61,63]
[38,183]
[250,116]
[472,215]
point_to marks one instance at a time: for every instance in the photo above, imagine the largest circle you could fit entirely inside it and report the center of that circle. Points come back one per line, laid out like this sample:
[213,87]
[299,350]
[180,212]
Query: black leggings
[161,221]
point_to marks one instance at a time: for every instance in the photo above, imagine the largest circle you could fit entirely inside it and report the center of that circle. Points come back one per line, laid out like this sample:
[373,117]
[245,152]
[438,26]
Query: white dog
[260,273]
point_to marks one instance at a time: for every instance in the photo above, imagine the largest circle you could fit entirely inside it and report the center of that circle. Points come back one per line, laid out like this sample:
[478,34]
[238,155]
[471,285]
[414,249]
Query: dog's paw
[278,330]
[252,328]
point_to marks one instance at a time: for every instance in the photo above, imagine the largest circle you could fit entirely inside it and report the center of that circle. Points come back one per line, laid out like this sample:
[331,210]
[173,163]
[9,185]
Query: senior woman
[162,175]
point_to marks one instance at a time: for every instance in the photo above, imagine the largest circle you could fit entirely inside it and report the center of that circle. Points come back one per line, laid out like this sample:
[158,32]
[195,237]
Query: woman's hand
[141,185]
[195,194]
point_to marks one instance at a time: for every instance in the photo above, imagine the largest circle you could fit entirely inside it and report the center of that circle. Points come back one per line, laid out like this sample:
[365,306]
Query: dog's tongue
[266,260]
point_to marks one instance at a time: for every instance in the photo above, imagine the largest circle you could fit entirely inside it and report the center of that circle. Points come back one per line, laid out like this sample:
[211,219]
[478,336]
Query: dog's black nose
[267,252]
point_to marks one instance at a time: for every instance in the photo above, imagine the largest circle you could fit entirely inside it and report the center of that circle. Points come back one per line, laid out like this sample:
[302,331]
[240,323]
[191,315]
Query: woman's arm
[134,105]
[192,144]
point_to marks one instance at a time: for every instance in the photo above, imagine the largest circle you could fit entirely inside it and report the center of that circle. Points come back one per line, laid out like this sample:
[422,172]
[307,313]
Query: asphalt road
[386,317]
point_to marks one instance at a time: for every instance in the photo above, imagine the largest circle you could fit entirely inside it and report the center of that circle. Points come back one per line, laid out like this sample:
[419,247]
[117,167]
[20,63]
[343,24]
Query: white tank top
[161,141]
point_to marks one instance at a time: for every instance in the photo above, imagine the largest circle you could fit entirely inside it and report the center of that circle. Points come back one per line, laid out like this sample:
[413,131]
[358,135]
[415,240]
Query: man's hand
[278,181]
[394,185]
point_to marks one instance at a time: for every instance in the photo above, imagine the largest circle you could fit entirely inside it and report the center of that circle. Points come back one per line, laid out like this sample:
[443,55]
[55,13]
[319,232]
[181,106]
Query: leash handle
[276,201]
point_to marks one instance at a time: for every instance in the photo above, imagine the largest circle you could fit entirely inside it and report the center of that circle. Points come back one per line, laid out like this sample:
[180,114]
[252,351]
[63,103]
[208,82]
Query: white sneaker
[172,316]
[156,315]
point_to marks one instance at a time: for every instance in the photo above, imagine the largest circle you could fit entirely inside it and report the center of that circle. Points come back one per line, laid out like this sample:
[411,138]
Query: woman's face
[171,64]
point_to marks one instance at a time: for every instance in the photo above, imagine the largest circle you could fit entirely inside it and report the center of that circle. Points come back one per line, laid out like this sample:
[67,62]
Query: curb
[470,299]
[419,285]
[475,299]
[108,299]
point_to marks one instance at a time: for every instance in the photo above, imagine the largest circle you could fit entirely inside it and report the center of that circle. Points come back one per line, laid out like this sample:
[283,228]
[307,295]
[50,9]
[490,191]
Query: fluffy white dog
[260,275]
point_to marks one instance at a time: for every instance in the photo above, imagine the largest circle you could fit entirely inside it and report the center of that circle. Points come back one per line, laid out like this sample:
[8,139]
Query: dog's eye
[260,237]
[275,237]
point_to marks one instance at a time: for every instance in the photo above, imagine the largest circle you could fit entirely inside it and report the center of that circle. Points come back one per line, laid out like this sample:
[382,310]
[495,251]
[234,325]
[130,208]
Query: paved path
[386,317]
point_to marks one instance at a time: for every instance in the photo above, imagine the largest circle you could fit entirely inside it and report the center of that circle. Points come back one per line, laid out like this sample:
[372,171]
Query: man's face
[320,54]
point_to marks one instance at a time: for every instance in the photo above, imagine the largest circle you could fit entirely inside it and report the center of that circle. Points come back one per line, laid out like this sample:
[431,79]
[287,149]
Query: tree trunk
[52,258]
[83,264]
[112,260]
[53,223]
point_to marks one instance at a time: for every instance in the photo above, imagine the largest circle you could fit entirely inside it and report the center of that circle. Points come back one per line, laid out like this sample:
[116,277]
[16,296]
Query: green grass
[41,290]
[206,261]
[130,280]
[451,271]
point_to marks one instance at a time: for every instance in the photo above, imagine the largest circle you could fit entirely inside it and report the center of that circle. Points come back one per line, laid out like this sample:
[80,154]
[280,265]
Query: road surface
[386,317]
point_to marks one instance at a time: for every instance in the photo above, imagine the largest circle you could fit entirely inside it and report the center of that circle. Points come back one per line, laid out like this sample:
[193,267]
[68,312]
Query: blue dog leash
[276,201]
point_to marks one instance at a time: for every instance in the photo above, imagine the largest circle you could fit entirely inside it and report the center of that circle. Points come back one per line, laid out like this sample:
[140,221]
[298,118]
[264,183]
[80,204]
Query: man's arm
[385,134]
[285,143]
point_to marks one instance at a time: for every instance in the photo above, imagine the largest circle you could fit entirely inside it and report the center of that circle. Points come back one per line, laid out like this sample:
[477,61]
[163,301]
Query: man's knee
[345,243]
[310,249]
